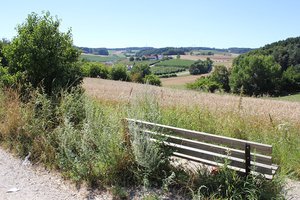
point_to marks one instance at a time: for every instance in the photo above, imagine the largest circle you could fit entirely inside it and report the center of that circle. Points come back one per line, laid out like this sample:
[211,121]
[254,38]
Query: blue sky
[161,23]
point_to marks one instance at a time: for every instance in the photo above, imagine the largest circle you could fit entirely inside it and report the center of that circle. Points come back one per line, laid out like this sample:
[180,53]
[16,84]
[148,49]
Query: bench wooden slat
[212,163]
[235,162]
[214,148]
[206,137]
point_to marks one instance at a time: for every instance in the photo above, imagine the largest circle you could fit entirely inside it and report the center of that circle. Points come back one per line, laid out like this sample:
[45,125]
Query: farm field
[118,91]
[179,82]
[219,59]
[185,63]
[98,58]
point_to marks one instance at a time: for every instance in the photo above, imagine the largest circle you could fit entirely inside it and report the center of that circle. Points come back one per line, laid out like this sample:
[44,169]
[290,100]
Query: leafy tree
[98,70]
[142,69]
[44,55]
[131,58]
[220,75]
[119,72]
[3,60]
[291,79]
[152,80]
[256,74]
[201,67]
[178,56]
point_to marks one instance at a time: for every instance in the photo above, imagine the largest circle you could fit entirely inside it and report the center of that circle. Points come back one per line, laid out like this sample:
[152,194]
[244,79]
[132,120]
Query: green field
[160,70]
[97,58]
[176,63]
[294,98]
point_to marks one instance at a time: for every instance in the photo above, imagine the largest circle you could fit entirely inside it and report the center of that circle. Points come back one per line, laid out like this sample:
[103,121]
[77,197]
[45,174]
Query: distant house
[153,57]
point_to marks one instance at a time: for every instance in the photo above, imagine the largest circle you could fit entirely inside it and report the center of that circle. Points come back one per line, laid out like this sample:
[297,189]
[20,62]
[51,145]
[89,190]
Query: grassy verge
[84,139]
[294,98]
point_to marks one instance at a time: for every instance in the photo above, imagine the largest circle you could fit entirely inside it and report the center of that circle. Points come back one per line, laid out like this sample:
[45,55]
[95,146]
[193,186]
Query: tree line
[271,70]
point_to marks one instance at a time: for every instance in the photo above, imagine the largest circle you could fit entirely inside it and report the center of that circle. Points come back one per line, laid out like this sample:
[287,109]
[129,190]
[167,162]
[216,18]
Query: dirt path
[30,182]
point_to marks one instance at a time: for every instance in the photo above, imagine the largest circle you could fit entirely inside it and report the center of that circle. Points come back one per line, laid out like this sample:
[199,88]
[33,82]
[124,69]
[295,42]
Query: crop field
[160,70]
[124,91]
[176,63]
[98,58]
[218,59]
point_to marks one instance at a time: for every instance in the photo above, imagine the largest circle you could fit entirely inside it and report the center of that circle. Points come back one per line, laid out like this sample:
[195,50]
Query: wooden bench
[209,149]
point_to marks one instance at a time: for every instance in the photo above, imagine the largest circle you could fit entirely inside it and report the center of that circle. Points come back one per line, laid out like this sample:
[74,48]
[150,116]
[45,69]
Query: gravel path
[20,180]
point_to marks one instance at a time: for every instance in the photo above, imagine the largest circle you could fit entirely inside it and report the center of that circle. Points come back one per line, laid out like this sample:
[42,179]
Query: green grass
[97,58]
[176,63]
[294,98]
[159,70]
[84,139]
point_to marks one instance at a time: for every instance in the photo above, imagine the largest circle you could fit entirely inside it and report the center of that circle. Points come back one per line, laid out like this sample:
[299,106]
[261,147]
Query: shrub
[93,69]
[119,72]
[205,84]
[152,80]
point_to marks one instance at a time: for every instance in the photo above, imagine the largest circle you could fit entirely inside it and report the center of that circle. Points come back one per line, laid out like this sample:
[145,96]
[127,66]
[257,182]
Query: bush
[152,80]
[93,69]
[35,53]
[119,72]
[201,67]
[256,74]
[205,84]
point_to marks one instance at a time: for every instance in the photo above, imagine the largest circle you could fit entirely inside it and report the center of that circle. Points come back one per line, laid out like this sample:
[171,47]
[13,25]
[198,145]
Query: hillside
[123,91]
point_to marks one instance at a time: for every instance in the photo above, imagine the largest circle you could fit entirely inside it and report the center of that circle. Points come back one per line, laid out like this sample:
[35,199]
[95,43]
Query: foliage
[119,72]
[256,75]
[201,67]
[220,75]
[131,58]
[152,80]
[291,79]
[228,184]
[93,69]
[35,53]
[3,60]
[138,72]
[286,55]
[205,84]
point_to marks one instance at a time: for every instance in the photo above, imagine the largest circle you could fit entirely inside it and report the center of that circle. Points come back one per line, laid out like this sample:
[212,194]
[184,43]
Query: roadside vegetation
[45,113]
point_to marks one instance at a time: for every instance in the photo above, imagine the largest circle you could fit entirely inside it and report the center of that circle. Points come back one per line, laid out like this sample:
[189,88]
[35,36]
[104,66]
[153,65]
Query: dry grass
[179,81]
[117,91]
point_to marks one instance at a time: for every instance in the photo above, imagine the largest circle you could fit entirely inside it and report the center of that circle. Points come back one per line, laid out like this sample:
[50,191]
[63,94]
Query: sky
[163,23]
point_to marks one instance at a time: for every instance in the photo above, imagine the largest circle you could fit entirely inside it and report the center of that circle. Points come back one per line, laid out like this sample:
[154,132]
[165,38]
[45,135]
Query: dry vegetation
[179,81]
[123,91]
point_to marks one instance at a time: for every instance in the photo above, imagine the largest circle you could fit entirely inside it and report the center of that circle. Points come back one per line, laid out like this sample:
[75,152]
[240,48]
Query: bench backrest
[212,149]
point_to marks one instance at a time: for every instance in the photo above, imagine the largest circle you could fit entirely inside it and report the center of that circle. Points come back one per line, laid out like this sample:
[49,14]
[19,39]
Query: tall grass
[84,138]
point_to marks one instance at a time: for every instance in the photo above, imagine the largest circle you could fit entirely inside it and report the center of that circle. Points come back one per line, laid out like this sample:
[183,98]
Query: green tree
[3,60]
[44,55]
[291,79]
[119,72]
[256,74]
[201,67]
[220,75]
[131,58]
[98,70]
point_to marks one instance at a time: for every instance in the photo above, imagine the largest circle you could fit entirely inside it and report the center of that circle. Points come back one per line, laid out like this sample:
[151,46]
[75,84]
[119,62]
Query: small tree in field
[42,55]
